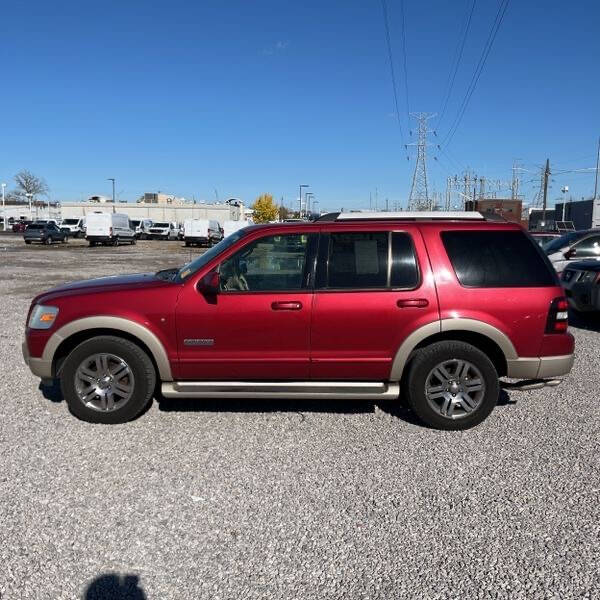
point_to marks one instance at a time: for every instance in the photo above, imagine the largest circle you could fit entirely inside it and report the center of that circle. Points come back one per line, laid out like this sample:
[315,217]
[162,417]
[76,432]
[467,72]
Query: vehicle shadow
[114,586]
[588,321]
[51,391]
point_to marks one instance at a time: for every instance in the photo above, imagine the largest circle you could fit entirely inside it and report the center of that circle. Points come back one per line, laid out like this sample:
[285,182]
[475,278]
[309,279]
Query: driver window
[588,248]
[272,263]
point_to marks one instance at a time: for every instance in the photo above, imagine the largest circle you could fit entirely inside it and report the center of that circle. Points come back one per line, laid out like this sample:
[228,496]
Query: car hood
[105,284]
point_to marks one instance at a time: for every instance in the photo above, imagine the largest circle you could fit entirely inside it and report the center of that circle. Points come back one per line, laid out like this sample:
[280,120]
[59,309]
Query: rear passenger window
[496,259]
[360,260]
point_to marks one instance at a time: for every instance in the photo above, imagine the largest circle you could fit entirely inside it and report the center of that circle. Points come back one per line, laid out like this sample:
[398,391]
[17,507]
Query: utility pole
[303,185]
[419,193]
[545,200]
[113,184]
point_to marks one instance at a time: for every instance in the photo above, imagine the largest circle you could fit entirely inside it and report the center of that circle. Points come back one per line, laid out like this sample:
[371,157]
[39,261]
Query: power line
[404,58]
[502,8]
[457,58]
[391,61]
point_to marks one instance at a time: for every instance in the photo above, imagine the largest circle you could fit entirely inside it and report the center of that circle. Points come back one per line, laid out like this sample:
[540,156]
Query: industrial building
[159,207]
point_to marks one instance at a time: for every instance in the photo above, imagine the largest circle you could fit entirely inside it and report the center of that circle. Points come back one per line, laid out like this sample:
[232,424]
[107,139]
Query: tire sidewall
[429,358]
[138,362]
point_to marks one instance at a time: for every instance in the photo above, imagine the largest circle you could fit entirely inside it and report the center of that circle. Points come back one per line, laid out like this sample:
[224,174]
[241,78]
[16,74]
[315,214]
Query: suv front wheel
[107,379]
[452,385]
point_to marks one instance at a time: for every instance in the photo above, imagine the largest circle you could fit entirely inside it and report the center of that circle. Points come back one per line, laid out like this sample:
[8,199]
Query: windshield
[563,241]
[36,226]
[70,221]
[203,259]
[135,223]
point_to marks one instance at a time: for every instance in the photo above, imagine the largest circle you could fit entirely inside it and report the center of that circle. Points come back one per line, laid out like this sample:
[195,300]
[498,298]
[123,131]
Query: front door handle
[413,303]
[287,305]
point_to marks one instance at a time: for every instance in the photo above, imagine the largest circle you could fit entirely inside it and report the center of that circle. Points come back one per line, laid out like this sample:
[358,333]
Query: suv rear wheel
[107,379]
[452,385]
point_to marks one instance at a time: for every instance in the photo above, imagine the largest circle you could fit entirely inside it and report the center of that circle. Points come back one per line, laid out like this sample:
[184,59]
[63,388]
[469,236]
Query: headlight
[43,317]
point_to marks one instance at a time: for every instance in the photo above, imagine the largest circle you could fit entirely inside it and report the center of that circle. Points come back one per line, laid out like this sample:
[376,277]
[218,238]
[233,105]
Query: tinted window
[275,262]
[404,272]
[588,248]
[35,226]
[496,259]
[358,260]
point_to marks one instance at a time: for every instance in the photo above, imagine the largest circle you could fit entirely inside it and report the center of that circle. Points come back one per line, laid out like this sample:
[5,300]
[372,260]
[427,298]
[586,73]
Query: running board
[334,390]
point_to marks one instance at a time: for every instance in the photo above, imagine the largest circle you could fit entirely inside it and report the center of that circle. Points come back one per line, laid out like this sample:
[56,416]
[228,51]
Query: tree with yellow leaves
[265,209]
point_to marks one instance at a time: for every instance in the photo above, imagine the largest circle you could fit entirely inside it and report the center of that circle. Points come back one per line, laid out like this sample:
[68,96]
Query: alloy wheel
[104,382]
[454,388]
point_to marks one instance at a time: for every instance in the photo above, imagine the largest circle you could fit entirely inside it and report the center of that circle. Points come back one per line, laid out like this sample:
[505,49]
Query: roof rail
[405,216]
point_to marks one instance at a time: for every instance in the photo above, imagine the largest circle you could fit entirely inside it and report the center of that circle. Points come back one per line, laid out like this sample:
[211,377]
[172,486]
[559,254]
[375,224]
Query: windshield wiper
[167,274]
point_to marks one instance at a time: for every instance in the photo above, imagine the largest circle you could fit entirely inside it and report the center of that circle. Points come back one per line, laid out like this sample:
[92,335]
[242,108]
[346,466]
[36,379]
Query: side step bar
[335,390]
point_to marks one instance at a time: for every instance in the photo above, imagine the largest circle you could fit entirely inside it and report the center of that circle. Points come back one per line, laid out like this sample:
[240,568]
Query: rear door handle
[288,305]
[413,303]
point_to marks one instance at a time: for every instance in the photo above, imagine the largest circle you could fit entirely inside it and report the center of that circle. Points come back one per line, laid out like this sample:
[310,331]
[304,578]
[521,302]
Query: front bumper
[541,367]
[38,366]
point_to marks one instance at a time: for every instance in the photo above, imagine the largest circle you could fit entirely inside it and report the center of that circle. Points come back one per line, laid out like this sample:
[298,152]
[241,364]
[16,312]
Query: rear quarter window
[498,259]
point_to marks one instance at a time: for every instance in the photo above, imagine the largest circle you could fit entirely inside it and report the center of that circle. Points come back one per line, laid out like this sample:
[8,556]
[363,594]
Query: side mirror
[570,253]
[209,284]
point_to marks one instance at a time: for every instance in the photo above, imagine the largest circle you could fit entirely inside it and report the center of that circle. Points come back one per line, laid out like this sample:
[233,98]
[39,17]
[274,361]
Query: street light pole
[303,185]
[3,206]
[113,183]
[30,210]
[308,196]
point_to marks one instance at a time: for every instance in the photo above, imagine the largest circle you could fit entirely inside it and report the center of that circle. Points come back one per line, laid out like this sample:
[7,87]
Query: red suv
[354,306]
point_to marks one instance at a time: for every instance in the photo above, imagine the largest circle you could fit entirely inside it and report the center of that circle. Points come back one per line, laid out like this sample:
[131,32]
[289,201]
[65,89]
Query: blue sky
[247,97]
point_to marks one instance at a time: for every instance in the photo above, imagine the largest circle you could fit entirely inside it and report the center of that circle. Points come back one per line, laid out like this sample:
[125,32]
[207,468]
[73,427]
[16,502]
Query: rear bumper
[540,367]
[38,366]
[98,238]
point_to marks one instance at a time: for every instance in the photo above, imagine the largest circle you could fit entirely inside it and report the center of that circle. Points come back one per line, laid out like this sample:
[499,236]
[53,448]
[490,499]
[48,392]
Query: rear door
[374,287]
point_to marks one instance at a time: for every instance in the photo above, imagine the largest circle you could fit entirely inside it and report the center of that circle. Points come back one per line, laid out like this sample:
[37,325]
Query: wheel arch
[72,334]
[483,336]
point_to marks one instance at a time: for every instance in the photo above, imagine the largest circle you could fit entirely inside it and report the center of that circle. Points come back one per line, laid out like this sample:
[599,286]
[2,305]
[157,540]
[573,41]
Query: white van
[203,232]
[141,228]
[75,225]
[230,227]
[108,228]
[163,231]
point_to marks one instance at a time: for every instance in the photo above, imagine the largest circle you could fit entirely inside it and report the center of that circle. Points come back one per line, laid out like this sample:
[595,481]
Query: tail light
[558,316]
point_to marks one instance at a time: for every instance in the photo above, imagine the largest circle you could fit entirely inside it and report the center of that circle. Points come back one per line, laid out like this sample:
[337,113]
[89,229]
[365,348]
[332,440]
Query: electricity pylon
[419,192]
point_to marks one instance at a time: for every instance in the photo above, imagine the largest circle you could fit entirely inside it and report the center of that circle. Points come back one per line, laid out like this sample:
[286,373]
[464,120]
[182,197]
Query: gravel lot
[266,499]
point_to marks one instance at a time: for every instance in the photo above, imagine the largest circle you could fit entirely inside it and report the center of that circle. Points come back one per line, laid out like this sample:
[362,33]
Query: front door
[258,326]
[374,288]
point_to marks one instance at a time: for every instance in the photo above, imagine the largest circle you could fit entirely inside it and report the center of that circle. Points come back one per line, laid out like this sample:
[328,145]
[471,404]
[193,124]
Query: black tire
[115,241]
[92,244]
[133,241]
[187,244]
[141,367]
[48,241]
[431,356]
[65,239]
[28,241]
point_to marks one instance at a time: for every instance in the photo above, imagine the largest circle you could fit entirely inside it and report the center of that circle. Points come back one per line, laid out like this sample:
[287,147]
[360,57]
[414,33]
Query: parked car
[75,226]
[352,306]
[109,229]
[202,232]
[543,238]
[573,246]
[141,228]
[163,231]
[20,226]
[45,233]
[581,282]
[44,221]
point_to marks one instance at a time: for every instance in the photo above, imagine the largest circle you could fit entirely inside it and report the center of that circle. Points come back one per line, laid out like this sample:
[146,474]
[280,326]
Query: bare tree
[28,183]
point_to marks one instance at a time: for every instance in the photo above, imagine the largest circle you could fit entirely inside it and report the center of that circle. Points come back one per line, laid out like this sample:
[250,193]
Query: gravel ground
[287,499]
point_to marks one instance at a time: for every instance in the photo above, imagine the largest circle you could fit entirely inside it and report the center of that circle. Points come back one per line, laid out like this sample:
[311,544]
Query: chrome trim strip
[351,390]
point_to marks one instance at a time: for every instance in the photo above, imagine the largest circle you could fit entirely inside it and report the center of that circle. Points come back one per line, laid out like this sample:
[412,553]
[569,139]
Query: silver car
[580,282]
[573,246]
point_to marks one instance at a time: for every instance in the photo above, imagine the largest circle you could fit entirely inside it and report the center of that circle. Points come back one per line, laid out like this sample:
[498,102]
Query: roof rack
[407,215]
